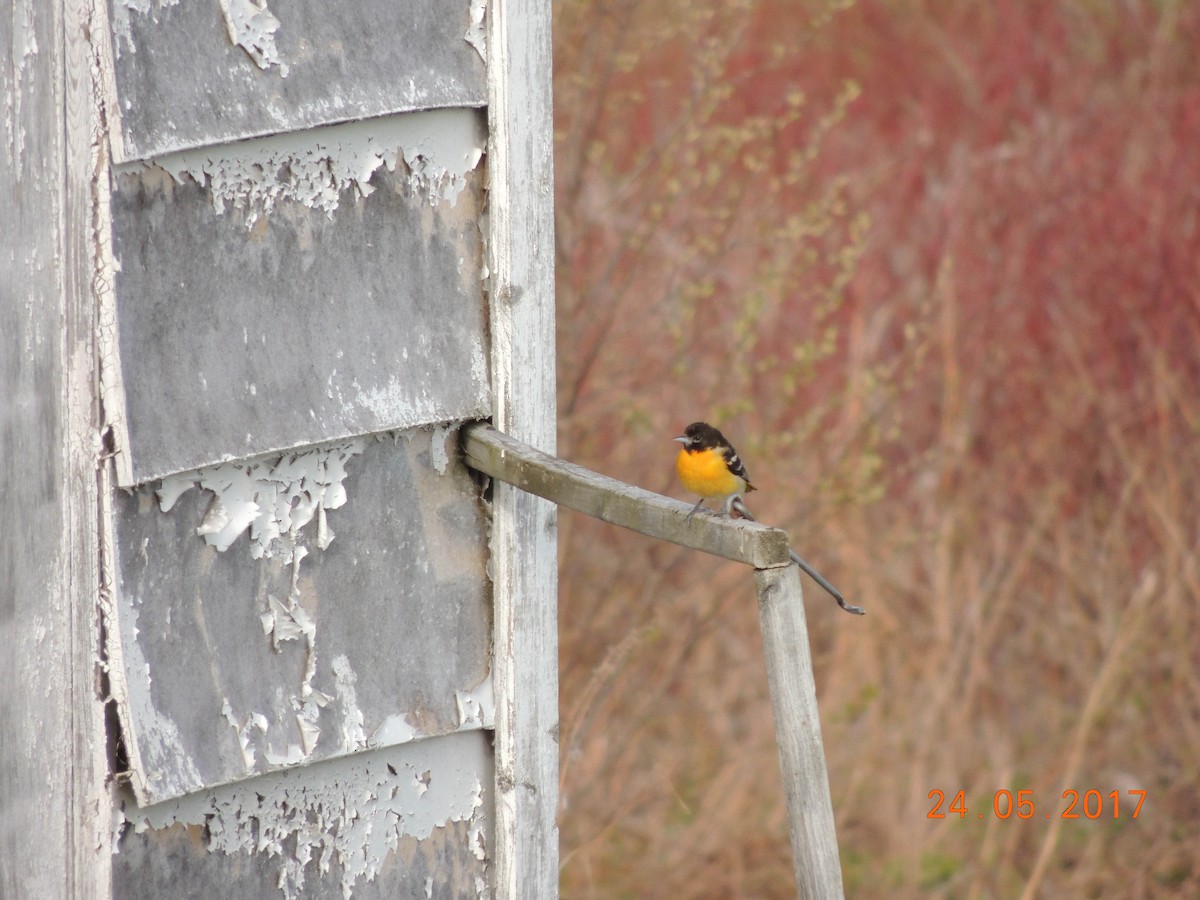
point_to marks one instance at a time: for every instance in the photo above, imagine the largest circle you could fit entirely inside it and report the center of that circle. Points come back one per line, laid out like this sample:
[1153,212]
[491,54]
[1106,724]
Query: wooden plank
[184,75]
[279,623]
[798,733]
[88,817]
[407,821]
[621,504]
[520,248]
[54,816]
[330,317]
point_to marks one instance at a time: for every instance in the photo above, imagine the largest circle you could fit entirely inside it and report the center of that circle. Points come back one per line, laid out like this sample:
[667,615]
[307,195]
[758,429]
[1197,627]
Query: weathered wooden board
[408,821]
[297,289]
[815,857]
[192,73]
[53,795]
[524,528]
[267,642]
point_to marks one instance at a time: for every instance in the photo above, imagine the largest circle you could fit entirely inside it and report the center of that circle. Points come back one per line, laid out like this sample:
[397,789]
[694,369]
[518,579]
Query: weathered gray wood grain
[798,733]
[251,331]
[53,800]
[398,822]
[181,81]
[228,666]
[520,247]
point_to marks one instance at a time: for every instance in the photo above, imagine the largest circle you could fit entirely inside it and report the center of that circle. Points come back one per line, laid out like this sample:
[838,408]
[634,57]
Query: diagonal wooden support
[618,503]
[781,617]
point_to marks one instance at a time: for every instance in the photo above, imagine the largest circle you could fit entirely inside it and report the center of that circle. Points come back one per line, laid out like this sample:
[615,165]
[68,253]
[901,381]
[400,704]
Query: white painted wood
[520,239]
[798,733]
[89,811]
[54,817]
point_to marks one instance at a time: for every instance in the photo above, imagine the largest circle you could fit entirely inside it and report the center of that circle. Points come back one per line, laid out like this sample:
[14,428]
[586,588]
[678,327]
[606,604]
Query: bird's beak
[681,440]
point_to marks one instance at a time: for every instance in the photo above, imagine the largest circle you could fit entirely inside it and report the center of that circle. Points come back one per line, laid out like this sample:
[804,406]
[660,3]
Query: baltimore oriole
[709,466]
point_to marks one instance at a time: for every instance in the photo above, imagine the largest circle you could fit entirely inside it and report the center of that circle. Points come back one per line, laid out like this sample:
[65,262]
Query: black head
[700,435]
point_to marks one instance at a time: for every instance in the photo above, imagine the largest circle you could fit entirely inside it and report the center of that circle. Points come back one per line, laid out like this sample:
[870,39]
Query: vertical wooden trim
[83,243]
[798,732]
[55,820]
[520,253]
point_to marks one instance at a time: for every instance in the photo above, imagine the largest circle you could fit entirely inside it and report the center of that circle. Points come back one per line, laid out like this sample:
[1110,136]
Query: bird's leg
[696,508]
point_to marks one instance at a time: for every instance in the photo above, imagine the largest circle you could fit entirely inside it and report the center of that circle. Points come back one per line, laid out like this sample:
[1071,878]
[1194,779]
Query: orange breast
[705,473]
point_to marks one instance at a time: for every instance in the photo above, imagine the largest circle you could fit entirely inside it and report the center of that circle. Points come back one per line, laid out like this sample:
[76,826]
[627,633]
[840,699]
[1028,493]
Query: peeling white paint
[252,27]
[476,34]
[397,402]
[395,729]
[477,707]
[104,274]
[352,737]
[23,49]
[438,456]
[315,167]
[242,729]
[352,811]
[287,621]
[161,756]
[273,498]
[123,10]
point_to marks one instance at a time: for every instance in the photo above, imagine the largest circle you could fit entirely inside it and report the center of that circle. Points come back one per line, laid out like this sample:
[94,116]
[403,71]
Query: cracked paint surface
[316,167]
[123,10]
[273,499]
[249,24]
[252,27]
[233,658]
[477,707]
[248,68]
[22,54]
[340,822]
[476,34]
[365,222]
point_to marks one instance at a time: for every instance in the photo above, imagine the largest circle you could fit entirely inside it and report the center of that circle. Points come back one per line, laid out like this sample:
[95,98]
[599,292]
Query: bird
[708,465]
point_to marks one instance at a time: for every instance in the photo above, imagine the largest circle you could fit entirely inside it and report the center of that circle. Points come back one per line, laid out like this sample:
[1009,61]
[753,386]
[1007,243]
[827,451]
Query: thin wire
[813,573]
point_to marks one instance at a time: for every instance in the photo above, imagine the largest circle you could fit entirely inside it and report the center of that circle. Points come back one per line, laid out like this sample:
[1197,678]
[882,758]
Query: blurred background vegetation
[934,267]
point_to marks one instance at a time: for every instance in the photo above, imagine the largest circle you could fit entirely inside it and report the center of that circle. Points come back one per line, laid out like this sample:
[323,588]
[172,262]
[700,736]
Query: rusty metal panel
[191,73]
[297,289]
[408,821]
[298,607]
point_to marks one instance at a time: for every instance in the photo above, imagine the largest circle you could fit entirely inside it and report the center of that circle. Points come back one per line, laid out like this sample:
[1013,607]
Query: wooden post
[55,819]
[798,732]
[781,616]
[524,555]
